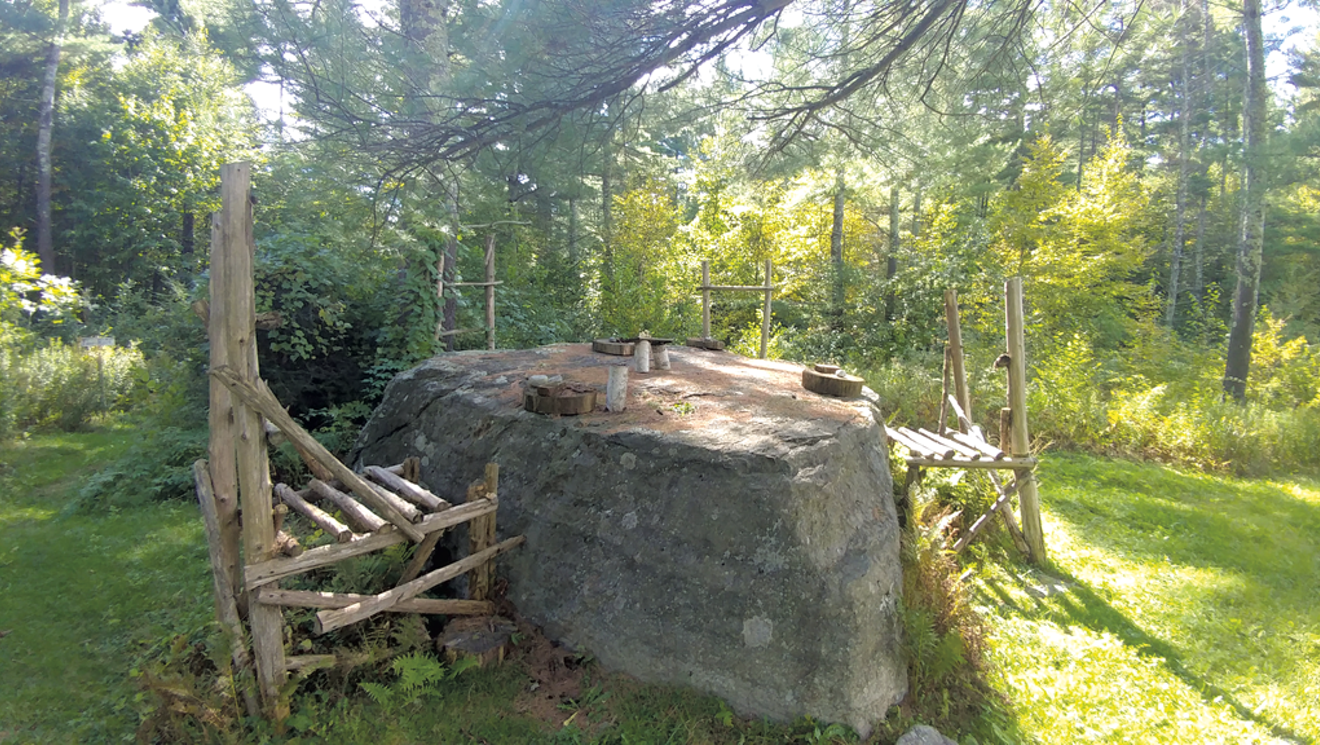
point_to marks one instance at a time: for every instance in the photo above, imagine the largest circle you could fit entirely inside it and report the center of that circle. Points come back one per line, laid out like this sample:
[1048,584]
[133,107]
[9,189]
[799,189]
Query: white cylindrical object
[642,356]
[616,390]
[660,356]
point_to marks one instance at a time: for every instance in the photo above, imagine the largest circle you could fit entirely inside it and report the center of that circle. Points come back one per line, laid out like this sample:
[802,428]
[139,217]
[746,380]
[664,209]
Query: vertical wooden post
[449,305]
[481,536]
[490,292]
[237,254]
[226,608]
[705,299]
[1017,401]
[440,295]
[956,353]
[223,463]
[765,313]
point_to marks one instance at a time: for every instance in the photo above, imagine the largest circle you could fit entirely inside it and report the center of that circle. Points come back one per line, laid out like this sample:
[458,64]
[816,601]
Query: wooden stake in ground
[234,298]
[481,535]
[226,609]
[1017,401]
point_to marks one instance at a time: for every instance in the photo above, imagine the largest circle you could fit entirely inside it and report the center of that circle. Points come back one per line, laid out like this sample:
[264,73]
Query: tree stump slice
[616,347]
[840,386]
[565,400]
[485,639]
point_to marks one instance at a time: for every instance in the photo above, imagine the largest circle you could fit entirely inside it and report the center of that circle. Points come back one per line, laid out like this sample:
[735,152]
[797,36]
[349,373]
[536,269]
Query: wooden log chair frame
[380,507]
[445,326]
[962,444]
[768,289]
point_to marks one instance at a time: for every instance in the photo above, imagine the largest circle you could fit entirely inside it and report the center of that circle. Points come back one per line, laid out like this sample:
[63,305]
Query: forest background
[877,153]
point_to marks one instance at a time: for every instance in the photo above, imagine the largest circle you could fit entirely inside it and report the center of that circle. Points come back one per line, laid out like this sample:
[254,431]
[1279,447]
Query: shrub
[64,385]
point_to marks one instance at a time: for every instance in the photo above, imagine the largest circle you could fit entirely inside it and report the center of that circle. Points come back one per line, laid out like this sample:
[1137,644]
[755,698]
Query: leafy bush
[64,385]
[157,467]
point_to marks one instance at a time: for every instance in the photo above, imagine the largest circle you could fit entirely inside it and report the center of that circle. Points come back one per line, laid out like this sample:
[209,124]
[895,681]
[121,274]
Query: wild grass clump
[1158,398]
[944,636]
[65,386]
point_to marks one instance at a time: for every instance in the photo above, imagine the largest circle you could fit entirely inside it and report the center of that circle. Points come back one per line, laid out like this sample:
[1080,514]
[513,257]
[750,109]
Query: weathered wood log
[1007,463]
[262,573]
[960,450]
[309,662]
[642,356]
[320,518]
[984,448]
[406,489]
[362,519]
[399,504]
[705,342]
[335,600]
[933,446]
[962,397]
[1015,333]
[410,469]
[979,524]
[260,398]
[918,448]
[226,607]
[287,545]
[235,301]
[421,555]
[329,620]
[616,388]
[483,640]
[481,535]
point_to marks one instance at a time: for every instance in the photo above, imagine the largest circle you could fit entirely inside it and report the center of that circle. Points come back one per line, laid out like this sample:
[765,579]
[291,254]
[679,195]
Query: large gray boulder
[730,531]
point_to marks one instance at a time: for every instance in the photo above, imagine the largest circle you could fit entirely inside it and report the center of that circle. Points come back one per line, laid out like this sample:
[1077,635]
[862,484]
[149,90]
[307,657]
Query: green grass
[83,594]
[1182,607]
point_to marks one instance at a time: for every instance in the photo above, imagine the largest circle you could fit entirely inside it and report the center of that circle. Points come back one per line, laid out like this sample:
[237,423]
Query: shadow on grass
[1080,606]
[1256,535]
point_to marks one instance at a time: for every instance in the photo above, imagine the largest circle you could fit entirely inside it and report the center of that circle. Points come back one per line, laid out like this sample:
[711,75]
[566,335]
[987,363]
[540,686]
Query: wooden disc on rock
[706,343]
[613,346]
[842,386]
[566,399]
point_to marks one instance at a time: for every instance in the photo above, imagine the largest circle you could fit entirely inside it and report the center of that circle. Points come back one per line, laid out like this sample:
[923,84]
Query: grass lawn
[1181,608]
[84,593]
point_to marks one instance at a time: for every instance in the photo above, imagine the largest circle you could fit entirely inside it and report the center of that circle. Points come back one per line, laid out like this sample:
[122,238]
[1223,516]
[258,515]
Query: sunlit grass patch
[1169,589]
[85,593]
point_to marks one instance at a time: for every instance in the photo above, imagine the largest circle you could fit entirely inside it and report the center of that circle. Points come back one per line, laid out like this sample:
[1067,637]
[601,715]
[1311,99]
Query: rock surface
[924,734]
[729,531]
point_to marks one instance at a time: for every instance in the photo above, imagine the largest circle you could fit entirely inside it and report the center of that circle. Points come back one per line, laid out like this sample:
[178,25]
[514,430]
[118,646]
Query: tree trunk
[607,216]
[1252,237]
[836,247]
[891,268]
[1184,145]
[45,124]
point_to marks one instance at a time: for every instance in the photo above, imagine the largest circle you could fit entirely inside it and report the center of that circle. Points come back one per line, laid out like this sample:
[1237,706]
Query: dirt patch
[559,689]
[701,387]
